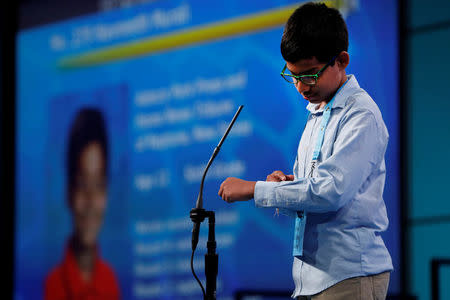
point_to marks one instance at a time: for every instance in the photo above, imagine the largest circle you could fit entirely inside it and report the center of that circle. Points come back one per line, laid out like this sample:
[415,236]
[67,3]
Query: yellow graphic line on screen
[196,35]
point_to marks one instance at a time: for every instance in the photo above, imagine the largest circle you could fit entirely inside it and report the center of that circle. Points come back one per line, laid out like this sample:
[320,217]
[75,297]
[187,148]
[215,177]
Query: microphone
[198,214]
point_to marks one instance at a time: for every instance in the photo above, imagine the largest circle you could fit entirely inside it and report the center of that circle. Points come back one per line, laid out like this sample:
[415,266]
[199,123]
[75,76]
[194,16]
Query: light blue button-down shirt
[343,199]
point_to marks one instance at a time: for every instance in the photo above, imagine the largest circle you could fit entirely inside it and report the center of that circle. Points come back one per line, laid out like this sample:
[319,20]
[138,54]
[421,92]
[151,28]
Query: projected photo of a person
[83,274]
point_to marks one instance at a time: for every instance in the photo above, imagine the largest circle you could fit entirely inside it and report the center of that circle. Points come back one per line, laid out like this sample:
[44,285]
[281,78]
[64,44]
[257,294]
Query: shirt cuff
[264,193]
[264,196]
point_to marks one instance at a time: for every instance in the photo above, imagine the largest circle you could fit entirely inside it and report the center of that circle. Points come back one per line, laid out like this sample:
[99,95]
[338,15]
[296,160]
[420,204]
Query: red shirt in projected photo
[65,281]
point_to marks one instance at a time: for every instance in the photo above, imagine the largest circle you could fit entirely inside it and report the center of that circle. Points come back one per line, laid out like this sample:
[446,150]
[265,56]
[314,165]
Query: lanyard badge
[300,220]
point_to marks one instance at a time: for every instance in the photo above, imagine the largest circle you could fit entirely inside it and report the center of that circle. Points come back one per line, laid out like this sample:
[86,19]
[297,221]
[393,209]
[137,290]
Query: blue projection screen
[167,78]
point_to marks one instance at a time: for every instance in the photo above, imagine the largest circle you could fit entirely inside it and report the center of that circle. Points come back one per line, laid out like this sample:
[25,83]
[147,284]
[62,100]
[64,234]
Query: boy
[335,191]
[83,274]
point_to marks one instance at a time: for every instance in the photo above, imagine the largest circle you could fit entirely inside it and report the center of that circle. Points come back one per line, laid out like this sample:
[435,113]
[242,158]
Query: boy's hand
[235,189]
[278,176]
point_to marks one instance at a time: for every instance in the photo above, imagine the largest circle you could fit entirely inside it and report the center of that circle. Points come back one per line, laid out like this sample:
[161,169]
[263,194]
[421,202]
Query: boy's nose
[301,87]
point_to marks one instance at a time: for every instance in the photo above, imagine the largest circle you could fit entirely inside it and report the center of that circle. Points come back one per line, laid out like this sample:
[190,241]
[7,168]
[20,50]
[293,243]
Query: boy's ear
[343,59]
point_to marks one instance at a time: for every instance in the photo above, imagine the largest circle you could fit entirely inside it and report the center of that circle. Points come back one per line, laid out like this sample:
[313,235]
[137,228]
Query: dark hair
[314,30]
[88,127]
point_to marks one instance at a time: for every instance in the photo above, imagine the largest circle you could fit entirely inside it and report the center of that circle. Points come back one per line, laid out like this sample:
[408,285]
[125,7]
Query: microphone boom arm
[199,203]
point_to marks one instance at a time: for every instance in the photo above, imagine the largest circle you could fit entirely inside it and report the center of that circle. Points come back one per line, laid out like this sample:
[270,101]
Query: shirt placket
[308,149]
[304,152]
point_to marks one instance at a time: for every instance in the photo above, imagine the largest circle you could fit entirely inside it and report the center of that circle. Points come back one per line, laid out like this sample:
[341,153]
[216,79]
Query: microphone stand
[198,215]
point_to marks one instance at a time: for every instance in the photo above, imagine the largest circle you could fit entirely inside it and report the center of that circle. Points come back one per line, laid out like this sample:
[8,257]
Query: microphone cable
[193,272]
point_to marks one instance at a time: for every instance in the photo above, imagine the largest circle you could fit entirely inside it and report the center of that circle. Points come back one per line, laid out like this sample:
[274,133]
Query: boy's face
[88,195]
[327,83]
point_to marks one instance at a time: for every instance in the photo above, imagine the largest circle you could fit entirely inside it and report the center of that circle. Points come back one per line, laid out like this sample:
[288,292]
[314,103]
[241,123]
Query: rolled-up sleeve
[358,148]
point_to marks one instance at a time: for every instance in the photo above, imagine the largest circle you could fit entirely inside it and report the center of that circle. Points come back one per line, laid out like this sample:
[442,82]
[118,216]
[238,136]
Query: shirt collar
[340,98]
[75,282]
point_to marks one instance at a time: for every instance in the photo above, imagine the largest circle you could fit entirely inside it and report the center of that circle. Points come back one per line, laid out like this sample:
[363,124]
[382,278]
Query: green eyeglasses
[310,79]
